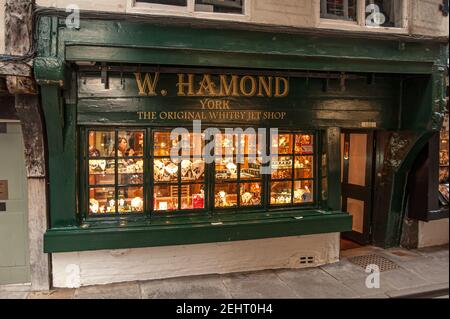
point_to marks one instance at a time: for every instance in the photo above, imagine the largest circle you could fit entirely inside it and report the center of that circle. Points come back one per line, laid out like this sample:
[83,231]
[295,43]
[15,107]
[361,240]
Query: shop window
[180,3]
[292,175]
[116,172]
[238,179]
[178,172]
[132,171]
[222,6]
[384,13]
[338,9]
[213,6]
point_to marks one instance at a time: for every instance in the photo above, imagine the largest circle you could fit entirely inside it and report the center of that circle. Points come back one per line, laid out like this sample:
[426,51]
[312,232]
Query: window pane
[225,195]
[192,144]
[192,170]
[162,144]
[101,143]
[284,144]
[165,170]
[102,200]
[303,167]
[384,13]
[165,197]
[223,6]
[303,192]
[101,172]
[130,143]
[193,196]
[226,169]
[338,9]
[251,194]
[181,3]
[304,144]
[250,169]
[131,179]
[281,193]
[131,171]
[224,144]
[282,168]
[131,200]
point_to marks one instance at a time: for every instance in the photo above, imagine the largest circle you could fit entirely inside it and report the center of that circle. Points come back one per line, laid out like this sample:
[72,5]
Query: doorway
[357,151]
[14,256]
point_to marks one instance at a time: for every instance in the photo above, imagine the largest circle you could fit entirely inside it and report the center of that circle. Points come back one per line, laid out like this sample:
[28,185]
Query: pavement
[420,273]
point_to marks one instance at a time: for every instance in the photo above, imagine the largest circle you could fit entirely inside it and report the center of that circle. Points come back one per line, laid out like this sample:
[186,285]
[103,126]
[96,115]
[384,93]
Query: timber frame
[115,39]
[17,76]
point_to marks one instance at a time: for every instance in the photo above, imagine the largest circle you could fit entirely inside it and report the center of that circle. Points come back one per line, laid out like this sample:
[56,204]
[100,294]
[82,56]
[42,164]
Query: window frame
[149,212]
[133,6]
[334,17]
[360,23]
[316,171]
[84,174]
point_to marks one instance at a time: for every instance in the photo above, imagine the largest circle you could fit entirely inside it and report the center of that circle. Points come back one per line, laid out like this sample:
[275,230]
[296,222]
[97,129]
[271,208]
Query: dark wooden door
[356,177]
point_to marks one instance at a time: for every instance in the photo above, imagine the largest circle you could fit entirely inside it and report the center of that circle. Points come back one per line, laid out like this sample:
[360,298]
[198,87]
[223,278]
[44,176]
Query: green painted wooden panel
[307,105]
[77,239]
[14,256]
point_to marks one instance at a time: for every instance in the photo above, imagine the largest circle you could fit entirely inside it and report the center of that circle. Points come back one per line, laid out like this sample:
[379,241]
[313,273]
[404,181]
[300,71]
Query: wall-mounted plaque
[3,129]
[2,207]
[3,189]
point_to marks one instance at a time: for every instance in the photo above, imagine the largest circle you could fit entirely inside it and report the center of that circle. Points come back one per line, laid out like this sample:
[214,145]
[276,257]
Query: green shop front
[185,141]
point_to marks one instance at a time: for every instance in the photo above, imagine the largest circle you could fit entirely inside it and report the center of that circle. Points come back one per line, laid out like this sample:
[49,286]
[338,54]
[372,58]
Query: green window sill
[193,231]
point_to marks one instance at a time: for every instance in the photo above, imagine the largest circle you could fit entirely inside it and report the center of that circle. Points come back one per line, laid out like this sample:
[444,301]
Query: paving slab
[401,279]
[432,270]
[314,283]
[52,294]
[360,289]
[115,291]
[15,287]
[344,271]
[426,289]
[194,287]
[435,251]
[13,294]
[264,284]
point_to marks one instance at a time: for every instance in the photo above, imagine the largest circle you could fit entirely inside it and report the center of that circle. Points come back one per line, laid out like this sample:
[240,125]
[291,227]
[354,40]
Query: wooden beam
[15,68]
[19,46]
[18,27]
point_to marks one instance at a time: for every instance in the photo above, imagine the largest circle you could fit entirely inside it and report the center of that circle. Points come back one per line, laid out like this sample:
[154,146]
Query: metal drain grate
[383,263]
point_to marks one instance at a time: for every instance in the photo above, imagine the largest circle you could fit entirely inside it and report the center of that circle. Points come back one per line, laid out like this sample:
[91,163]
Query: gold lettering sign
[188,85]
[212,116]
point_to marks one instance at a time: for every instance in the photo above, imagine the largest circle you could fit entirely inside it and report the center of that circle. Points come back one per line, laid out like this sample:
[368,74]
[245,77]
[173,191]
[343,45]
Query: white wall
[426,18]
[433,233]
[424,15]
[107,266]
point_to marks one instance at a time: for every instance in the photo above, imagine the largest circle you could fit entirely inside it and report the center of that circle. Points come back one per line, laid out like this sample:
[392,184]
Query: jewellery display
[137,204]
[192,170]
[303,167]
[94,206]
[302,195]
[226,170]
[281,197]
[304,144]
[444,162]
[116,180]
[165,170]
[282,168]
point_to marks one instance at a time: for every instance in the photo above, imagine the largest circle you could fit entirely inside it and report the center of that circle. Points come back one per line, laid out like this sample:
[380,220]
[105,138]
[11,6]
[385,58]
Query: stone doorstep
[417,292]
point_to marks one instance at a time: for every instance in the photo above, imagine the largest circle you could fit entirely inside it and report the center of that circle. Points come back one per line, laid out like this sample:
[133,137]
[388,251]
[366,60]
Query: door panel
[356,177]
[14,260]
